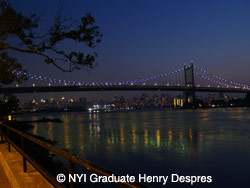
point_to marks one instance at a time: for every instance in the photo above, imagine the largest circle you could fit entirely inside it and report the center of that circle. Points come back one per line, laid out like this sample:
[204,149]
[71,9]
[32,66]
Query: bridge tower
[189,84]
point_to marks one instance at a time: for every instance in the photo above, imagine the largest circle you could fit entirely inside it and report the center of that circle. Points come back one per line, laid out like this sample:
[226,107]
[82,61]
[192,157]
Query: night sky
[144,38]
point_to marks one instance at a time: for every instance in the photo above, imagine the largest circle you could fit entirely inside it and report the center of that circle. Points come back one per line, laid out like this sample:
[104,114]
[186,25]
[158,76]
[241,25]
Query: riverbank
[126,111]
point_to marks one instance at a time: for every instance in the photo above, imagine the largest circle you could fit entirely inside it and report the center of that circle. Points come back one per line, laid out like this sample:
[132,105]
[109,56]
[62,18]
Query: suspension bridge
[189,79]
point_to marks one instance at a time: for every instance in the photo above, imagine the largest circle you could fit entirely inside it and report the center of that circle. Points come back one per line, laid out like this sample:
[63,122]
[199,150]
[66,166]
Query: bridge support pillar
[190,99]
[248,99]
[189,84]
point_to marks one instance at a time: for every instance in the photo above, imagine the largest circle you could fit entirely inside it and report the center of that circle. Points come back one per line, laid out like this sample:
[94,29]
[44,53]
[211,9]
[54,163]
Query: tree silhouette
[24,34]
[9,105]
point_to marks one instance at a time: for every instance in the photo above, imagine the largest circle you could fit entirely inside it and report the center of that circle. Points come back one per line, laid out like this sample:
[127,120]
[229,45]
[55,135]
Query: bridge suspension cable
[173,78]
[217,79]
[70,82]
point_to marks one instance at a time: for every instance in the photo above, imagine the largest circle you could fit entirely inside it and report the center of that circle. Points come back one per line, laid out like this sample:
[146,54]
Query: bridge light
[49,84]
[155,84]
[167,84]
[33,85]
[65,84]
[17,85]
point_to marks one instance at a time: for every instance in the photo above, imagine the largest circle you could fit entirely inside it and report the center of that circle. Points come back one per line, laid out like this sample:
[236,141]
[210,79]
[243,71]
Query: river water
[200,142]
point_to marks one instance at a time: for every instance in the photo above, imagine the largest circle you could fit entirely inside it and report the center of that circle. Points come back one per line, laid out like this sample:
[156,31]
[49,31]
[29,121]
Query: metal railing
[72,160]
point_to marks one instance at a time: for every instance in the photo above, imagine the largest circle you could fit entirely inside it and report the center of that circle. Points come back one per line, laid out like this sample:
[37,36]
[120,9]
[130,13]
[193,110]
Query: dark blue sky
[142,38]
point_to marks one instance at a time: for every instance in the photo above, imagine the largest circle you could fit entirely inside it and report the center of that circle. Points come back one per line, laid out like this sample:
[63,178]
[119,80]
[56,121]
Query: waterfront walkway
[11,171]
[4,182]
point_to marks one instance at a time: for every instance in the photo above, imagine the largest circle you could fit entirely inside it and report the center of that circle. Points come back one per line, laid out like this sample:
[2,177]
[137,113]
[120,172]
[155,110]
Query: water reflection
[50,131]
[155,142]
[135,132]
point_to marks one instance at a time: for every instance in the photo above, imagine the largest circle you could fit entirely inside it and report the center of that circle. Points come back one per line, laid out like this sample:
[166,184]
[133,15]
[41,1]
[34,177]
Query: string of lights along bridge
[177,78]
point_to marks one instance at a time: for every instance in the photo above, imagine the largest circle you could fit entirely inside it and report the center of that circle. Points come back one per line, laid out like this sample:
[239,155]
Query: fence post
[8,135]
[24,159]
[71,168]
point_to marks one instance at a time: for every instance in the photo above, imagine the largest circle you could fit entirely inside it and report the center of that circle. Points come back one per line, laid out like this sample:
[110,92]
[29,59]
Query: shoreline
[126,111]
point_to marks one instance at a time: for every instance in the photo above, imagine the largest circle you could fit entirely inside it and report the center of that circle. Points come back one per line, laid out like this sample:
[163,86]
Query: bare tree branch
[15,26]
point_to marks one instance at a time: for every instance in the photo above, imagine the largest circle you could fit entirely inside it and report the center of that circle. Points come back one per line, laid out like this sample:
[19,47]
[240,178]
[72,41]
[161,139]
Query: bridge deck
[119,88]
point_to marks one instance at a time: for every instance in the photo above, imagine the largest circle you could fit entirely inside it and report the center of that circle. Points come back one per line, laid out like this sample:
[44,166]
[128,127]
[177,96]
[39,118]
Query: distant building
[211,97]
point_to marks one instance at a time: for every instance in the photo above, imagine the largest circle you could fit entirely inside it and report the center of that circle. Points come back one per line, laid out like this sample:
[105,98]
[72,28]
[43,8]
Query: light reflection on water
[189,142]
